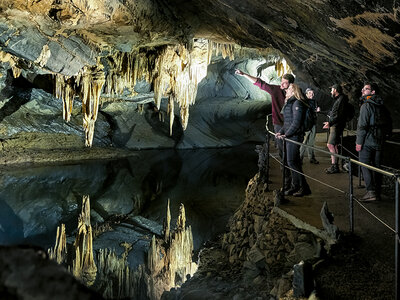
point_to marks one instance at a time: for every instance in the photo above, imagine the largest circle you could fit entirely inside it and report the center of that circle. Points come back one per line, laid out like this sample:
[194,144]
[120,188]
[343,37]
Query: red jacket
[278,100]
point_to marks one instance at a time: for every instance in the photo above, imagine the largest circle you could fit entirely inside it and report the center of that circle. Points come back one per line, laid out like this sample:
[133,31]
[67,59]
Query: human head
[369,88]
[286,80]
[296,91]
[309,93]
[336,90]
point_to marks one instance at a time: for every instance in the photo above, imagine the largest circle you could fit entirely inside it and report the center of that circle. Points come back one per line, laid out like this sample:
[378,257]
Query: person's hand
[238,72]
[326,125]
[358,147]
[318,109]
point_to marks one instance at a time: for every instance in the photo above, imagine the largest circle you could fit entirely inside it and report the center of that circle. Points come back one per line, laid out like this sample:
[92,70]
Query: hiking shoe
[369,196]
[291,191]
[332,169]
[314,161]
[302,192]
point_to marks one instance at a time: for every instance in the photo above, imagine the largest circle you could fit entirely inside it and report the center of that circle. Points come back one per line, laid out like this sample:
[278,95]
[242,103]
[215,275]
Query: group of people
[289,106]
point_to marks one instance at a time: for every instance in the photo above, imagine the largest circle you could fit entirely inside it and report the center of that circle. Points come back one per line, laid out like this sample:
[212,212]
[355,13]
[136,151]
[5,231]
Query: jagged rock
[302,280]
[327,221]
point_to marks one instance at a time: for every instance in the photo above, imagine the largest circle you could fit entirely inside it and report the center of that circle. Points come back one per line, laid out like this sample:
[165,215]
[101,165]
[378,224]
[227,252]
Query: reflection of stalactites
[83,266]
[180,223]
[91,83]
[171,113]
[64,90]
[59,253]
[167,224]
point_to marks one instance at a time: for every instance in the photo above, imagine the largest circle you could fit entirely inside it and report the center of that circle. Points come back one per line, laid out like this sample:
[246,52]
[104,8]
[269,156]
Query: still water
[209,182]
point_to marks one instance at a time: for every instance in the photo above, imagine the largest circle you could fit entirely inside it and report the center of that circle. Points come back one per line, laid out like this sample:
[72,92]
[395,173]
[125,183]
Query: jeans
[371,157]
[309,140]
[294,162]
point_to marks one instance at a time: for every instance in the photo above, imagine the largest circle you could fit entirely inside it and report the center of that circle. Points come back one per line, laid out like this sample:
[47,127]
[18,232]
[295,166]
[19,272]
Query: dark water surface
[209,182]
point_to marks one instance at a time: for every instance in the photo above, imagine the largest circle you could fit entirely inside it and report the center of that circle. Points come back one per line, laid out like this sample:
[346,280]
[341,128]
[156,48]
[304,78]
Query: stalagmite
[84,267]
[59,253]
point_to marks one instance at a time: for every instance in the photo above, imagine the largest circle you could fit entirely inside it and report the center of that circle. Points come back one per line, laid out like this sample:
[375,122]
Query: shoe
[302,192]
[369,196]
[314,161]
[345,167]
[291,191]
[332,170]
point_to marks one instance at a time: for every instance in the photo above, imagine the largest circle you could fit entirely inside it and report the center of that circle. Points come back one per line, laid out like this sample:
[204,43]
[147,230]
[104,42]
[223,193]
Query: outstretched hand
[239,72]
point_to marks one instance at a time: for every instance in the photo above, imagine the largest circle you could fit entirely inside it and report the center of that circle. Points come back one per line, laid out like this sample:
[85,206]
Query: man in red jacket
[277,93]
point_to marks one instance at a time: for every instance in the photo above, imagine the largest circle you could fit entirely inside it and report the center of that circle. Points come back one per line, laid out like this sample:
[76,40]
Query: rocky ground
[255,259]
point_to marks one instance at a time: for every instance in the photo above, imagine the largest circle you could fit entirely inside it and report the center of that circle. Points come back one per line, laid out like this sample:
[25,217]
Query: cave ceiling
[323,41]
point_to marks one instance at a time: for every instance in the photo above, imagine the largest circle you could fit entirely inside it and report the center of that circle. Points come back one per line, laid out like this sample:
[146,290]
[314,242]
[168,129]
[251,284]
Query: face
[366,90]
[333,92]
[284,84]
[289,91]
[310,94]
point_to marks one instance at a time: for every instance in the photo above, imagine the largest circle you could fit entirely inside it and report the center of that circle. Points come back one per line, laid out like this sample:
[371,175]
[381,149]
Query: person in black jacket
[374,123]
[336,124]
[294,112]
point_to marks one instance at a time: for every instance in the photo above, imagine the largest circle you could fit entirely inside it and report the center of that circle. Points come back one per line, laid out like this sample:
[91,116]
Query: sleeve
[264,86]
[297,120]
[363,124]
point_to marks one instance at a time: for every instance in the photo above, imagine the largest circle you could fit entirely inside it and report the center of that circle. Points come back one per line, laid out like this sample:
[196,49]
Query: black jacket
[366,123]
[337,115]
[293,115]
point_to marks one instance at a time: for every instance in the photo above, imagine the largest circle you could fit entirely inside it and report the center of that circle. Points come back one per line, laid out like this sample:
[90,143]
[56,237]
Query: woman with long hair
[294,112]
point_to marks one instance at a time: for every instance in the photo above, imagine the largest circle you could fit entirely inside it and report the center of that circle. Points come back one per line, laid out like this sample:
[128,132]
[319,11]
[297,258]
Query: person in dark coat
[336,124]
[293,114]
[374,123]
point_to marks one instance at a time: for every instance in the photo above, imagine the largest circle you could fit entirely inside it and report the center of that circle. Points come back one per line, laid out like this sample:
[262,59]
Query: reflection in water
[209,182]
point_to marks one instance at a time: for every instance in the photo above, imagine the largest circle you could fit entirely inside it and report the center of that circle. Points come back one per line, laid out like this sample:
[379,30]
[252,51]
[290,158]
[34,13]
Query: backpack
[381,123]
[349,111]
[310,118]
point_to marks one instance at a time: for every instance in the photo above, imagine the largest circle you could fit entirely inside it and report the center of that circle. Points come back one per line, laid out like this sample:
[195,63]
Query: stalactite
[13,61]
[91,83]
[83,266]
[59,253]
[281,67]
[170,111]
[64,90]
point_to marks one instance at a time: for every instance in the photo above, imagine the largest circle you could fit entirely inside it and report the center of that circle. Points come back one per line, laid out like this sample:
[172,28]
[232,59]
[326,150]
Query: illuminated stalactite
[281,67]
[59,252]
[64,90]
[84,267]
[91,83]
[13,61]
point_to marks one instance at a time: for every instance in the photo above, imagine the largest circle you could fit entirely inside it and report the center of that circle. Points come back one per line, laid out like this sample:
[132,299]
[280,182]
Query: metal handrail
[352,198]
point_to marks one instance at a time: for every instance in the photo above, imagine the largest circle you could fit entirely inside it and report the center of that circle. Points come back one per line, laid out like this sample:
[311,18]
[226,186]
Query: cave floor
[372,243]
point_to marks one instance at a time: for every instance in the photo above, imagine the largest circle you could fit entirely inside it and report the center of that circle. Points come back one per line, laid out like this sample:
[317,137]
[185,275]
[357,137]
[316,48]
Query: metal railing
[350,195]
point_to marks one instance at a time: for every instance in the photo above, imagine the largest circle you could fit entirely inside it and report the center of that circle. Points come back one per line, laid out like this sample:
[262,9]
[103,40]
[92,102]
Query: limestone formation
[59,253]
[83,266]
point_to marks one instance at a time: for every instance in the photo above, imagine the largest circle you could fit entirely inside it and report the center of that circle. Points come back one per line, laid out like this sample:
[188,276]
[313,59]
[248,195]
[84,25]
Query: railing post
[396,247]
[267,159]
[283,166]
[351,200]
